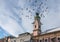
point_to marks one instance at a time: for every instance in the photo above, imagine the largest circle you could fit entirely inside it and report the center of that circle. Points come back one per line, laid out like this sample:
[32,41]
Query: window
[40,40]
[26,41]
[35,26]
[21,40]
[39,26]
[58,39]
[14,40]
[48,39]
[11,41]
[45,40]
[6,40]
[53,40]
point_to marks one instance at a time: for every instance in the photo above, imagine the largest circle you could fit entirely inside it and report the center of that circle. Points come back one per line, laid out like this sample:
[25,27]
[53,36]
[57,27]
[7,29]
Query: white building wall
[22,38]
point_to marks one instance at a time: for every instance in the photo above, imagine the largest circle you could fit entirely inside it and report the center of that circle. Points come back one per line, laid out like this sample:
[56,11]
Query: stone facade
[38,36]
[1,40]
[24,37]
[6,39]
[48,37]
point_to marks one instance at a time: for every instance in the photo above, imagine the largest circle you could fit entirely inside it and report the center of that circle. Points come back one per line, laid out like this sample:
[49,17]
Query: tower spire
[37,25]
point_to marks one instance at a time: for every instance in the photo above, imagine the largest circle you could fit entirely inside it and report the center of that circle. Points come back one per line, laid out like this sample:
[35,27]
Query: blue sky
[3,33]
[17,16]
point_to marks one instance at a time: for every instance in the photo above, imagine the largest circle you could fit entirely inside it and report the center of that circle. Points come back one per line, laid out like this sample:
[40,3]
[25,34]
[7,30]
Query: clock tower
[37,25]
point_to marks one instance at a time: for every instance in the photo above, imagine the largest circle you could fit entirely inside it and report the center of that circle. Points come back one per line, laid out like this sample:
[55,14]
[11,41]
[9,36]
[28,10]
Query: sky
[3,33]
[17,16]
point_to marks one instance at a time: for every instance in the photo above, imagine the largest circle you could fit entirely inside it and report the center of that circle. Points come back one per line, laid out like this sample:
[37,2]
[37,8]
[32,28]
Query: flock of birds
[40,7]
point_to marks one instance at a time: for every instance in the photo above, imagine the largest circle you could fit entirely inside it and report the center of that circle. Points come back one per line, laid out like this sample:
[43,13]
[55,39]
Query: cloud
[51,20]
[3,33]
[16,16]
[9,24]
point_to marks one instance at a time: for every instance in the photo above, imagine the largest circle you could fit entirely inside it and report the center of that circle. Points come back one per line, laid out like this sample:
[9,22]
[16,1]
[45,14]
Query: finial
[37,13]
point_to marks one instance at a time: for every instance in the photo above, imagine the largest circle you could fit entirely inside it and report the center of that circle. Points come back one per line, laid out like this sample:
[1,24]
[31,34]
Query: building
[24,37]
[38,36]
[6,39]
[1,40]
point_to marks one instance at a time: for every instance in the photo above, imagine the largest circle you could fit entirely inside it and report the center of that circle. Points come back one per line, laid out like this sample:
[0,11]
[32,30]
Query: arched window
[58,39]
[53,39]
[45,40]
[35,26]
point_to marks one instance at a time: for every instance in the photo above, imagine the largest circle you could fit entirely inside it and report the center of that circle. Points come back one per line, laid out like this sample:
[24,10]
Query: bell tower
[37,25]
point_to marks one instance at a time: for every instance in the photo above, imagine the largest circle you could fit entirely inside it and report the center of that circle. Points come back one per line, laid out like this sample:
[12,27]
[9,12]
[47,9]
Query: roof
[10,37]
[51,30]
[24,34]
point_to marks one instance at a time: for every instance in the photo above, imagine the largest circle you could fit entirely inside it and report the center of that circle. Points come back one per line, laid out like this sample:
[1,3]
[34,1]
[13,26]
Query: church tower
[37,25]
